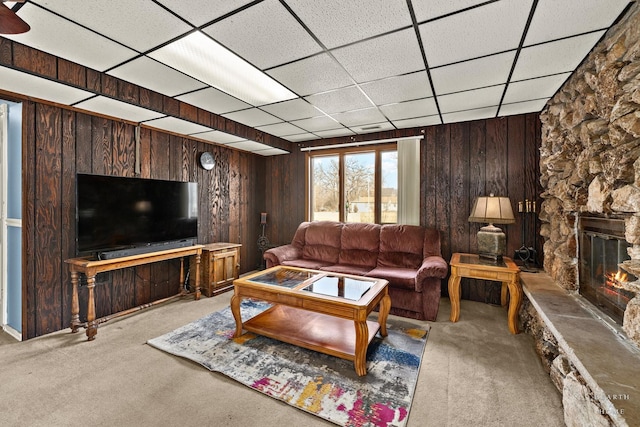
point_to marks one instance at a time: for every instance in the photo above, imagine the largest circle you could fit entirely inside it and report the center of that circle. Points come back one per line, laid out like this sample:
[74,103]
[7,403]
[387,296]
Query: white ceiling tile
[294,109]
[249,146]
[301,137]
[385,56]
[266,35]
[214,100]
[471,99]
[271,152]
[338,22]
[543,87]
[410,109]
[534,106]
[280,129]
[174,124]
[15,81]
[359,117]
[200,12]
[69,41]
[554,57]
[485,30]
[417,122]
[119,109]
[465,116]
[337,101]
[487,71]
[153,75]
[252,117]
[399,88]
[435,8]
[334,133]
[312,75]
[558,19]
[218,137]
[140,25]
[315,124]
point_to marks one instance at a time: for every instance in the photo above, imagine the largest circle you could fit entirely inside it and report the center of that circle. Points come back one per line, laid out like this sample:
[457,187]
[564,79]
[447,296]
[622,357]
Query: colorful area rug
[323,385]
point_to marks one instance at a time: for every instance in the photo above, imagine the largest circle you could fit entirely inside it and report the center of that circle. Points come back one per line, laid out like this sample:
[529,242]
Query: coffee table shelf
[315,331]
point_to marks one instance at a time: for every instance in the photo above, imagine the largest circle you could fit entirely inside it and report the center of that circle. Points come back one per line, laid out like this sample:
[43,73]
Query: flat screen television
[116,214]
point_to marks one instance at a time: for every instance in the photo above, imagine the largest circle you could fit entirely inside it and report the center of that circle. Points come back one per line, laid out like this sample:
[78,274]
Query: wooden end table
[473,267]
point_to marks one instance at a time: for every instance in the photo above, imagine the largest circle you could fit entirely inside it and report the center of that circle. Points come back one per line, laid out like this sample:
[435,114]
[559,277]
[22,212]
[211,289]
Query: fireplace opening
[602,248]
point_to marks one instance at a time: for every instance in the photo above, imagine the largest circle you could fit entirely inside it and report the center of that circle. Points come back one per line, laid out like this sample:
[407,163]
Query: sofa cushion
[299,237]
[401,246]
[359,245]
[398,277]
[322,241]
[311,264]
[358,270]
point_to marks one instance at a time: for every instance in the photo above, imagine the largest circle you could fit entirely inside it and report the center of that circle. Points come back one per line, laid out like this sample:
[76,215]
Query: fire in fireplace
[602,248]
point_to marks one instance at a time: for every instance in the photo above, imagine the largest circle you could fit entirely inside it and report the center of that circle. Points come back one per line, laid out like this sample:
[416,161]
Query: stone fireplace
[590,168]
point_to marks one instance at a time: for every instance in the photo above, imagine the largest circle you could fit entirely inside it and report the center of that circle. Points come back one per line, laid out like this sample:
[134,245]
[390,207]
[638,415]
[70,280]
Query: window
[354,186]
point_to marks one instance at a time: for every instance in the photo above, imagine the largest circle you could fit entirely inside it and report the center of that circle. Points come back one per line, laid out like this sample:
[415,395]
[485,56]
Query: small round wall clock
[207,161]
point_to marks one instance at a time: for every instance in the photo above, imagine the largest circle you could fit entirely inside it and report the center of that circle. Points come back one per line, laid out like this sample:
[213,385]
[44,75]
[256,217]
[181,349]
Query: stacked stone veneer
[590,154]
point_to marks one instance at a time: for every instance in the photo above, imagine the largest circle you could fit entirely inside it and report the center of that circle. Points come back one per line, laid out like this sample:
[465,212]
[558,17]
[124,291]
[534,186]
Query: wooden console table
[91,267]
[473,267]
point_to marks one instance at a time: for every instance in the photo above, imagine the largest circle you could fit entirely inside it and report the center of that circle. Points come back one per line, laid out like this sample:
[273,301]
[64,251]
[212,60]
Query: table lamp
[492,242]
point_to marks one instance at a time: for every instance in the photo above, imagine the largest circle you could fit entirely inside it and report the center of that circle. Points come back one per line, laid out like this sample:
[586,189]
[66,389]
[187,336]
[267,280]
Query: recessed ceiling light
[204,59]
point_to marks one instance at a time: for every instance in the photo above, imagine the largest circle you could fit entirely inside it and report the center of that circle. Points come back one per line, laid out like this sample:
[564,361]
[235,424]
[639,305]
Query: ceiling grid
[326,68]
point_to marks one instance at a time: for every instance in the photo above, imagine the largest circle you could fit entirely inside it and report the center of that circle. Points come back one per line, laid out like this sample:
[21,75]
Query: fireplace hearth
[603,249]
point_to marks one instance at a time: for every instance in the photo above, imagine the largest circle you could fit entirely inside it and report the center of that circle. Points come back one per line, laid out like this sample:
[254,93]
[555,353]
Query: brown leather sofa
[408,256]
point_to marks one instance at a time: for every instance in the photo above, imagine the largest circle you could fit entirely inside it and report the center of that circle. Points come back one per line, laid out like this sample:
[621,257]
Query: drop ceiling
[321,68]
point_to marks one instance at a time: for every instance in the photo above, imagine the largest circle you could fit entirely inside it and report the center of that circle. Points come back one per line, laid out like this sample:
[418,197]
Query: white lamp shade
[492,210]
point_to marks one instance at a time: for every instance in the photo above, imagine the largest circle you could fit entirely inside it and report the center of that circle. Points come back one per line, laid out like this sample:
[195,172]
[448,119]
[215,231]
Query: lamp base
[491,244]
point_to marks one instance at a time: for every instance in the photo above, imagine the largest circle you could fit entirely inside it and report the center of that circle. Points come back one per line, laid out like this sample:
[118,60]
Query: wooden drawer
[219,267]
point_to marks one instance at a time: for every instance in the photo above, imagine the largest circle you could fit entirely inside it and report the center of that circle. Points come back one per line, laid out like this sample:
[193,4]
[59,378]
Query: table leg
[75,302]
[197,297]
[504,293]
[362,341]
[235,310]
[515,300]
[385,307]
[454,296]
[92,327]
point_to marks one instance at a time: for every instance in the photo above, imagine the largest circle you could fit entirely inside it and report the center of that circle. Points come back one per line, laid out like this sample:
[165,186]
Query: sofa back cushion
[359,244]
[300,236]
[401,246]
[322,241]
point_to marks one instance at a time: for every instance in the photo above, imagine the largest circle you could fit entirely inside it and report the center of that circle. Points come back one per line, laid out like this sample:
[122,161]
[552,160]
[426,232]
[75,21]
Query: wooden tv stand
[91,267]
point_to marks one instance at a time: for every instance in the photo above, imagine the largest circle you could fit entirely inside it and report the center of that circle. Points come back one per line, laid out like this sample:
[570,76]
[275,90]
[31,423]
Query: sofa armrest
[432,266]
[276,256]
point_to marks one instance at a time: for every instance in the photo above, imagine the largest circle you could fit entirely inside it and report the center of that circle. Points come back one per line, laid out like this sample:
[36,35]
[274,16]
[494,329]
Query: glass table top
[318,283]
[478,260]
[284,277]
[343,287]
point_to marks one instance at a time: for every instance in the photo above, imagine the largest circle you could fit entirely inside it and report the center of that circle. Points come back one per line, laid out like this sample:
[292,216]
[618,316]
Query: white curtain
[409,181]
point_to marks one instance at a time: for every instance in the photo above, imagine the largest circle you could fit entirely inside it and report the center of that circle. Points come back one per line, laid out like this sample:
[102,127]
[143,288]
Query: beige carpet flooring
[474,373]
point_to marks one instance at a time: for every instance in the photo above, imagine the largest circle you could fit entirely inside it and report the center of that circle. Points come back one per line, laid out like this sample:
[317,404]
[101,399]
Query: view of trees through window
[344,187]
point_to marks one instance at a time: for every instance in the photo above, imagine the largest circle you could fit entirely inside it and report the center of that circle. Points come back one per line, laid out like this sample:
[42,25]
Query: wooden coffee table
[322,311]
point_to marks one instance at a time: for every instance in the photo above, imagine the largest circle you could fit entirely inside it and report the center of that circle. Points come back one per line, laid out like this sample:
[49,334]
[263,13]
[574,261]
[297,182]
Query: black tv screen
[115,213]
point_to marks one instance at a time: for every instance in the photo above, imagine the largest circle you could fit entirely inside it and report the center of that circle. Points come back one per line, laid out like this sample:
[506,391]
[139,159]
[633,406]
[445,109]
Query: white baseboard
[9,330]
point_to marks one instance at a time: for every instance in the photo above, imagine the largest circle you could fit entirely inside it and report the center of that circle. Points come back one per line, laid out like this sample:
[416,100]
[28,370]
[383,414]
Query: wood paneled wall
[458,163]
[58,143]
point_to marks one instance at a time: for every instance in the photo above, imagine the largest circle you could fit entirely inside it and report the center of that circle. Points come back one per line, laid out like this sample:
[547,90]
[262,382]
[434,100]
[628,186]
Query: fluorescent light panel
[199,56]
